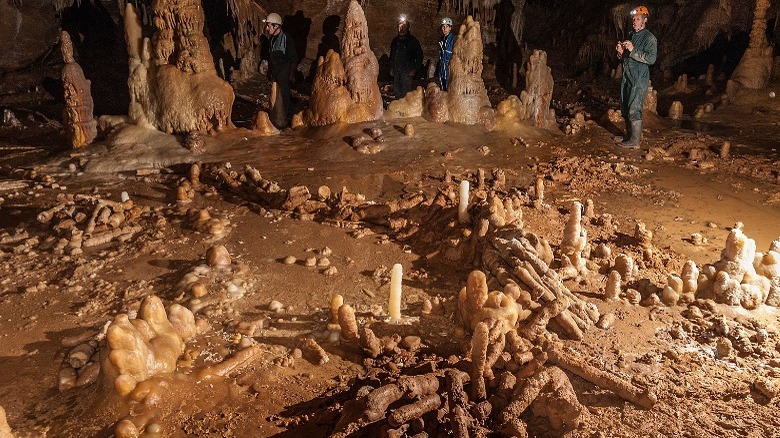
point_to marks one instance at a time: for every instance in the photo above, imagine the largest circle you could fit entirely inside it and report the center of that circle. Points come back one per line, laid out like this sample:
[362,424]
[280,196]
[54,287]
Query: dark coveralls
[446,44]
[281,59]
[406,55]
[636,74]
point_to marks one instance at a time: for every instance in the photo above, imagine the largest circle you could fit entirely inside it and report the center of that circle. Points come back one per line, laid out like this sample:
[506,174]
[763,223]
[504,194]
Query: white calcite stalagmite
[466,100]
[612,291]
[79,124]
[140,348]
[345,87]
[755,68]
[394,303]
[769,267]
[463,202]
[174,86]
[533,104]
[411,105]
[741,277]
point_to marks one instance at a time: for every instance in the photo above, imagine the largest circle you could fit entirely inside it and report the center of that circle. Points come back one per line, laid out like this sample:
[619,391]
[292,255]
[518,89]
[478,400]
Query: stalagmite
[79,124]
[262,124]
[174,86]
[463,202]
[345,87]
[739,277]
[140,348]
[676,110]
[539,189]
[466,100]
[612,291]
[348,323]
[394,305]
[755,68]
[575,238]
[725,149]
[335,303]
[533,104]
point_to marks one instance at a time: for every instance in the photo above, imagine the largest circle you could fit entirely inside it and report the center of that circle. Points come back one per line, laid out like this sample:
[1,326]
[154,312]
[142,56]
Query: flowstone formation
[345,88]
[533,105]
[80,126]
[142,347]
[755,68]
[173,84]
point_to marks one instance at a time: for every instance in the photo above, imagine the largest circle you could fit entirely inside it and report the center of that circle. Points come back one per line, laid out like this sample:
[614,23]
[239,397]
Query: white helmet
[447,21]
[274,18]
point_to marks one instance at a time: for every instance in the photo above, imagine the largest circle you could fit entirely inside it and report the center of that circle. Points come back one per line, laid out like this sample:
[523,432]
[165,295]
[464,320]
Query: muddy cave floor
[45,298]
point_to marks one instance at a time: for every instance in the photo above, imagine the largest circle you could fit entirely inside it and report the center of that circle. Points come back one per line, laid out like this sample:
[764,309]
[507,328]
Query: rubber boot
[636,135]
[622,138]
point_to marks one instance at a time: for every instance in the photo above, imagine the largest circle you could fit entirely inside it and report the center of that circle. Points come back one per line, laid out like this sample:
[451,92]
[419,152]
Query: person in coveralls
[406,57]
[637,53]
[446,43]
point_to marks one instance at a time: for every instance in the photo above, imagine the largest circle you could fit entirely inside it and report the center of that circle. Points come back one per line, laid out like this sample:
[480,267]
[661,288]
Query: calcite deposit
[466,100]
[345,87]
[466,97]
[755,68]
[533,104]
[174,86]
[142,347]
[80,126]
[742,276]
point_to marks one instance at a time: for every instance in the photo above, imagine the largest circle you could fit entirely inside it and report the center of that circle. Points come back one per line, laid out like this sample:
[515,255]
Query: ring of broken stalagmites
[84,221]
[510,370]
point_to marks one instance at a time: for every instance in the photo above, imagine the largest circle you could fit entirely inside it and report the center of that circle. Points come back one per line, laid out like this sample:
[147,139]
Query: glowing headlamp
[402,19]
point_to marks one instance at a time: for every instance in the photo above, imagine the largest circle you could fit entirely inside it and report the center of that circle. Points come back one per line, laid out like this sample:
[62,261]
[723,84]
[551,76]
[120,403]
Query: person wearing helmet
[282,61]
[637,53]
[406,58]
[446,43]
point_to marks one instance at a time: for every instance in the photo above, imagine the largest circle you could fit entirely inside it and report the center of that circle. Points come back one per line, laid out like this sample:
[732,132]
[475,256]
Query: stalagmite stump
[262,124]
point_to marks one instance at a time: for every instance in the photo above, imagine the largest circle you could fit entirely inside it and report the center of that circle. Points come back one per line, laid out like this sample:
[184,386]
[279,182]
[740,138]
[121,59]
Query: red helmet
[640,10]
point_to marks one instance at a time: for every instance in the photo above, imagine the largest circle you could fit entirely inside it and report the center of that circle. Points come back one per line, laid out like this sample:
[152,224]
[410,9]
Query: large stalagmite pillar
[80,126]
[174,86]
[755,68]
[345,87]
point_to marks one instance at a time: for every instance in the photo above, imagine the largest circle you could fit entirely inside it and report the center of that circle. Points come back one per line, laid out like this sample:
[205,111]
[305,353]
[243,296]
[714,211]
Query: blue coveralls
[636,73]
[445,53]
